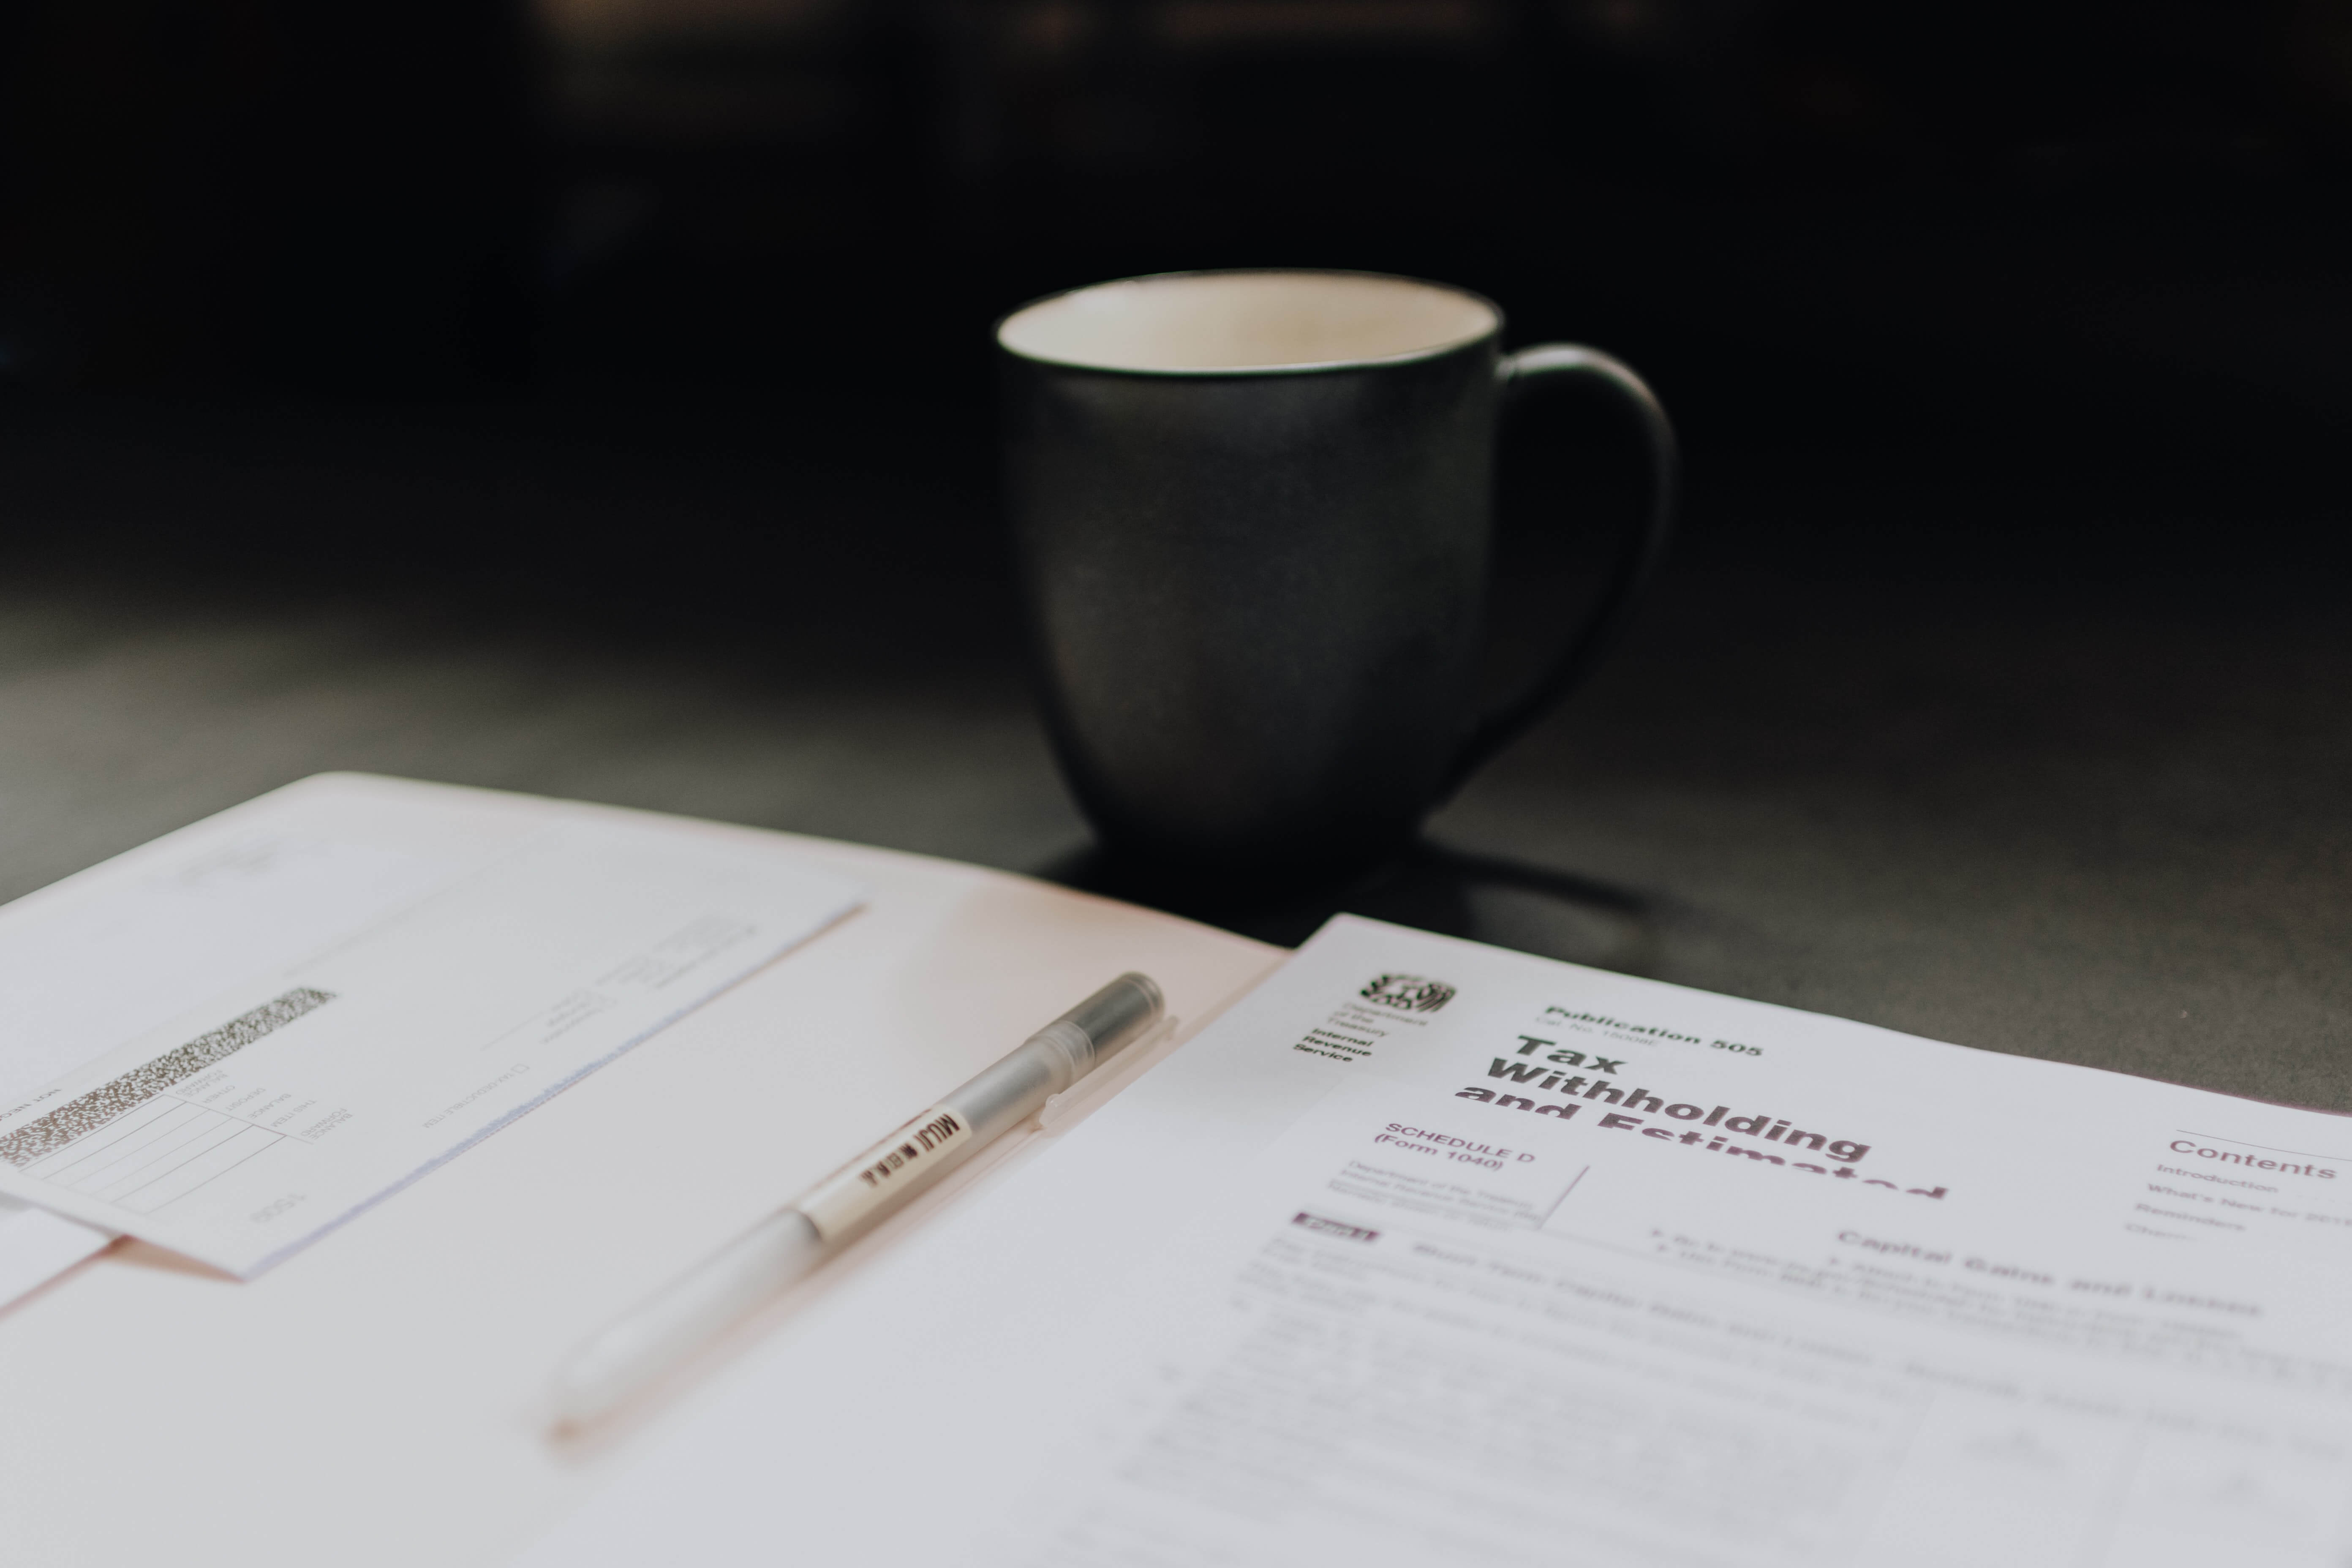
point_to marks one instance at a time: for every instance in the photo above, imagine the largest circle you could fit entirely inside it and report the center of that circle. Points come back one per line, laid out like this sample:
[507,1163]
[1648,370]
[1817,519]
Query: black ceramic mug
[1252,517]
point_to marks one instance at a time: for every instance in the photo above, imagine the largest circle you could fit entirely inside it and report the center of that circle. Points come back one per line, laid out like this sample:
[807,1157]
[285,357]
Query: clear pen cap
[1119,1014]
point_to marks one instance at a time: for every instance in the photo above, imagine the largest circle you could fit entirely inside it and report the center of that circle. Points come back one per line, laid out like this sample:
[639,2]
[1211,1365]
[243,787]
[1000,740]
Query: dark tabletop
[476,393]
[2042,750]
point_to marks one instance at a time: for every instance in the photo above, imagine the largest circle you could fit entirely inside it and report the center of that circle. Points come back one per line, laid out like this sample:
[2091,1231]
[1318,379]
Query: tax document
[1427,1252]
[231,1040]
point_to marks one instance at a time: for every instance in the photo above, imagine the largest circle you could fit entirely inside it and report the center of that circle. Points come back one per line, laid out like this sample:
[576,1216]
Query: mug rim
[1308,367]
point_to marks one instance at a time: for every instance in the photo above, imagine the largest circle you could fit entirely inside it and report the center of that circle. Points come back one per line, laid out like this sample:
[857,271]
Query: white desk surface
[373,1400]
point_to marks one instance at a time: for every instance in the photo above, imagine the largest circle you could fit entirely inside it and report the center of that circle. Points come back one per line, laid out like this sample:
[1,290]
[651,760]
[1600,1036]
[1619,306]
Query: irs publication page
[1429,1252]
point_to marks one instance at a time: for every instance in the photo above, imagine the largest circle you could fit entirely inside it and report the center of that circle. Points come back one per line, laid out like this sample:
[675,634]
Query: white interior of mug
[1197,321]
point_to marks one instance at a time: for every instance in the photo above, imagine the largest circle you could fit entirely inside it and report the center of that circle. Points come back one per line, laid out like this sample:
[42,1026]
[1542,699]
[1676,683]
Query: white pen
[661,1330]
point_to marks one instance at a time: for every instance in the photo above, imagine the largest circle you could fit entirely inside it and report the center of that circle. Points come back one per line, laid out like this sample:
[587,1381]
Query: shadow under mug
[1251,516]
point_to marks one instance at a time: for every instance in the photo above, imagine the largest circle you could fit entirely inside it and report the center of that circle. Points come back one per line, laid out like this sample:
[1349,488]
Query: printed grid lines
[39,1139]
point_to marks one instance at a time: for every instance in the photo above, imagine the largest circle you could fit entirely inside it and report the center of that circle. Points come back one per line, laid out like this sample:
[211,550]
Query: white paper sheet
[236,1039]
[1427,1252]
[111,953]
[37,1246]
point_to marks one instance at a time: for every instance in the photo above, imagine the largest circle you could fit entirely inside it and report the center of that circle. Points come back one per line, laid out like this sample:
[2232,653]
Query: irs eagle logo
[1409,993]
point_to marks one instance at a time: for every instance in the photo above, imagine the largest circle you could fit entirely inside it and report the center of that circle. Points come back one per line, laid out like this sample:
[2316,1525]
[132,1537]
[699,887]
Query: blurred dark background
[595,399]
[2098,243]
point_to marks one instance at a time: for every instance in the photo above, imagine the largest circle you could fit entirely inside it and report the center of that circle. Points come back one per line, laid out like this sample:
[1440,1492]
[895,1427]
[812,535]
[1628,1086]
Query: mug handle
[1548,362]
